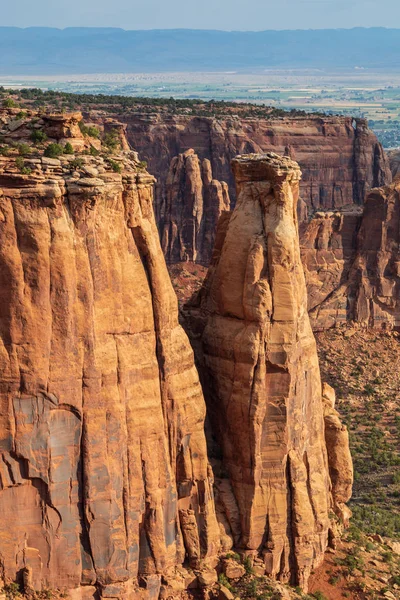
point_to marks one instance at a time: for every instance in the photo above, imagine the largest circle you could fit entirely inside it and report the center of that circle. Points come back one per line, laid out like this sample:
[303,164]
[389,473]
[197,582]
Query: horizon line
[157,29]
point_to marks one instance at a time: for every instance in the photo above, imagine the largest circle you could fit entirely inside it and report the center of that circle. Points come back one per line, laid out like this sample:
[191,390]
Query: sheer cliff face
[328,250]
[261,379]
[103,466]
[352,263]
[374,280]
[341,159]
[394,160]
[193,203]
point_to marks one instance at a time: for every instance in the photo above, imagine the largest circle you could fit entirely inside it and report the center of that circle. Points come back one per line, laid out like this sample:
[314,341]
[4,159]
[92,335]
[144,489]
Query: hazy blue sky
[202,14]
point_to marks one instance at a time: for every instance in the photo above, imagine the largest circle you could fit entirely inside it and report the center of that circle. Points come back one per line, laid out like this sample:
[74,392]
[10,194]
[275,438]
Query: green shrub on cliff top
[68,149]
[53,151]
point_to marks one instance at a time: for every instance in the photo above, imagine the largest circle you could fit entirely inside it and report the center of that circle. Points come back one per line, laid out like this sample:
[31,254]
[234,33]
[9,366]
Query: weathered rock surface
[352,263]
[260,373]
[394,161]
[58,127]
[328,248]
[341,159]
[374,280]
[194,201]
[104,477]
[339,457]
[118,130]
[64,128]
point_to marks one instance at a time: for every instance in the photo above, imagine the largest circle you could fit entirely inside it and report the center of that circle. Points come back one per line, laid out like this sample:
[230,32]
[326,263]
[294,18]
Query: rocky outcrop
[260,373]
[104,477]
[340,157]
[63,128]
[18,127]
[374,280]
[118,131]
[194,201]
[339,457]
[352,264]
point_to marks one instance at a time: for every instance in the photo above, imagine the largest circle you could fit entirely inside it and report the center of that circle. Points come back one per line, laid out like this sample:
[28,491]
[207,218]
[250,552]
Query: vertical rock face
[352,263]
[328,248]
[340,157]
[374,280]
[341,160]
[261,377]
[193,204]
[339,457]
[104,474]
[394,161]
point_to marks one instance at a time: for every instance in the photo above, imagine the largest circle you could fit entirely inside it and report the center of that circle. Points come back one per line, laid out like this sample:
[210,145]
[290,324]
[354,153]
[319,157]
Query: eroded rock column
[261,377]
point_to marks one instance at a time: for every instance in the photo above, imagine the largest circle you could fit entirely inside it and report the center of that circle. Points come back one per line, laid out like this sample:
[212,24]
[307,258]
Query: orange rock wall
[103,464]
[194,201]
[352,263]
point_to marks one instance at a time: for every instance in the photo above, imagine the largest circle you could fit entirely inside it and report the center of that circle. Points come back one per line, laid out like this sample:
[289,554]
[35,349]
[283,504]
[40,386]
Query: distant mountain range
[47,51]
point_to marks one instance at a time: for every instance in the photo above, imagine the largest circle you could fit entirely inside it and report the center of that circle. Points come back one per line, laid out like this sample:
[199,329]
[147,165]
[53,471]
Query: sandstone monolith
[260,371]
[104,478]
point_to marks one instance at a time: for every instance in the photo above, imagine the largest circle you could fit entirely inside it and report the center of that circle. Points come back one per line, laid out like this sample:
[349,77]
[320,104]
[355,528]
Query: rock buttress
[328,248]
[104,475]
[261,377]
[194,201]
[352,263]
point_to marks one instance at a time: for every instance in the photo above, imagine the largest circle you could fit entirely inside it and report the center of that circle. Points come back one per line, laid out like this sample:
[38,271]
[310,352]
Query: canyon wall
[328,249]
[104,477]
[352,263]
[190,210]
[273,441]
[340,158]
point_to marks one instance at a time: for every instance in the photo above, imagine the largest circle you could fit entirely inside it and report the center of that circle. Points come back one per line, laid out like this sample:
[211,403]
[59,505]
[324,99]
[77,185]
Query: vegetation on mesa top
[37,98]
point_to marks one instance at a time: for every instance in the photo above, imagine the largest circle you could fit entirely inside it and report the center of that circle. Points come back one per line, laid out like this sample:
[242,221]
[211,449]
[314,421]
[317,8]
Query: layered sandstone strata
[352,263]
[374,280]
[260,373]
[328,248]
[104,477]
[193,203]
[340,158]
[63,128]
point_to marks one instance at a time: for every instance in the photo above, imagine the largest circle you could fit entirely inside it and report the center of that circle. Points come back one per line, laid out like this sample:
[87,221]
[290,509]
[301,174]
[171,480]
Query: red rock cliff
[262,383]
[193,203]
[104,476]
[341,159]
[352,263]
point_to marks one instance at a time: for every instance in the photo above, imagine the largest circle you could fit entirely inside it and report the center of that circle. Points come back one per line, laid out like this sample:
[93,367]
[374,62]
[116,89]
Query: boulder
[233,569]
